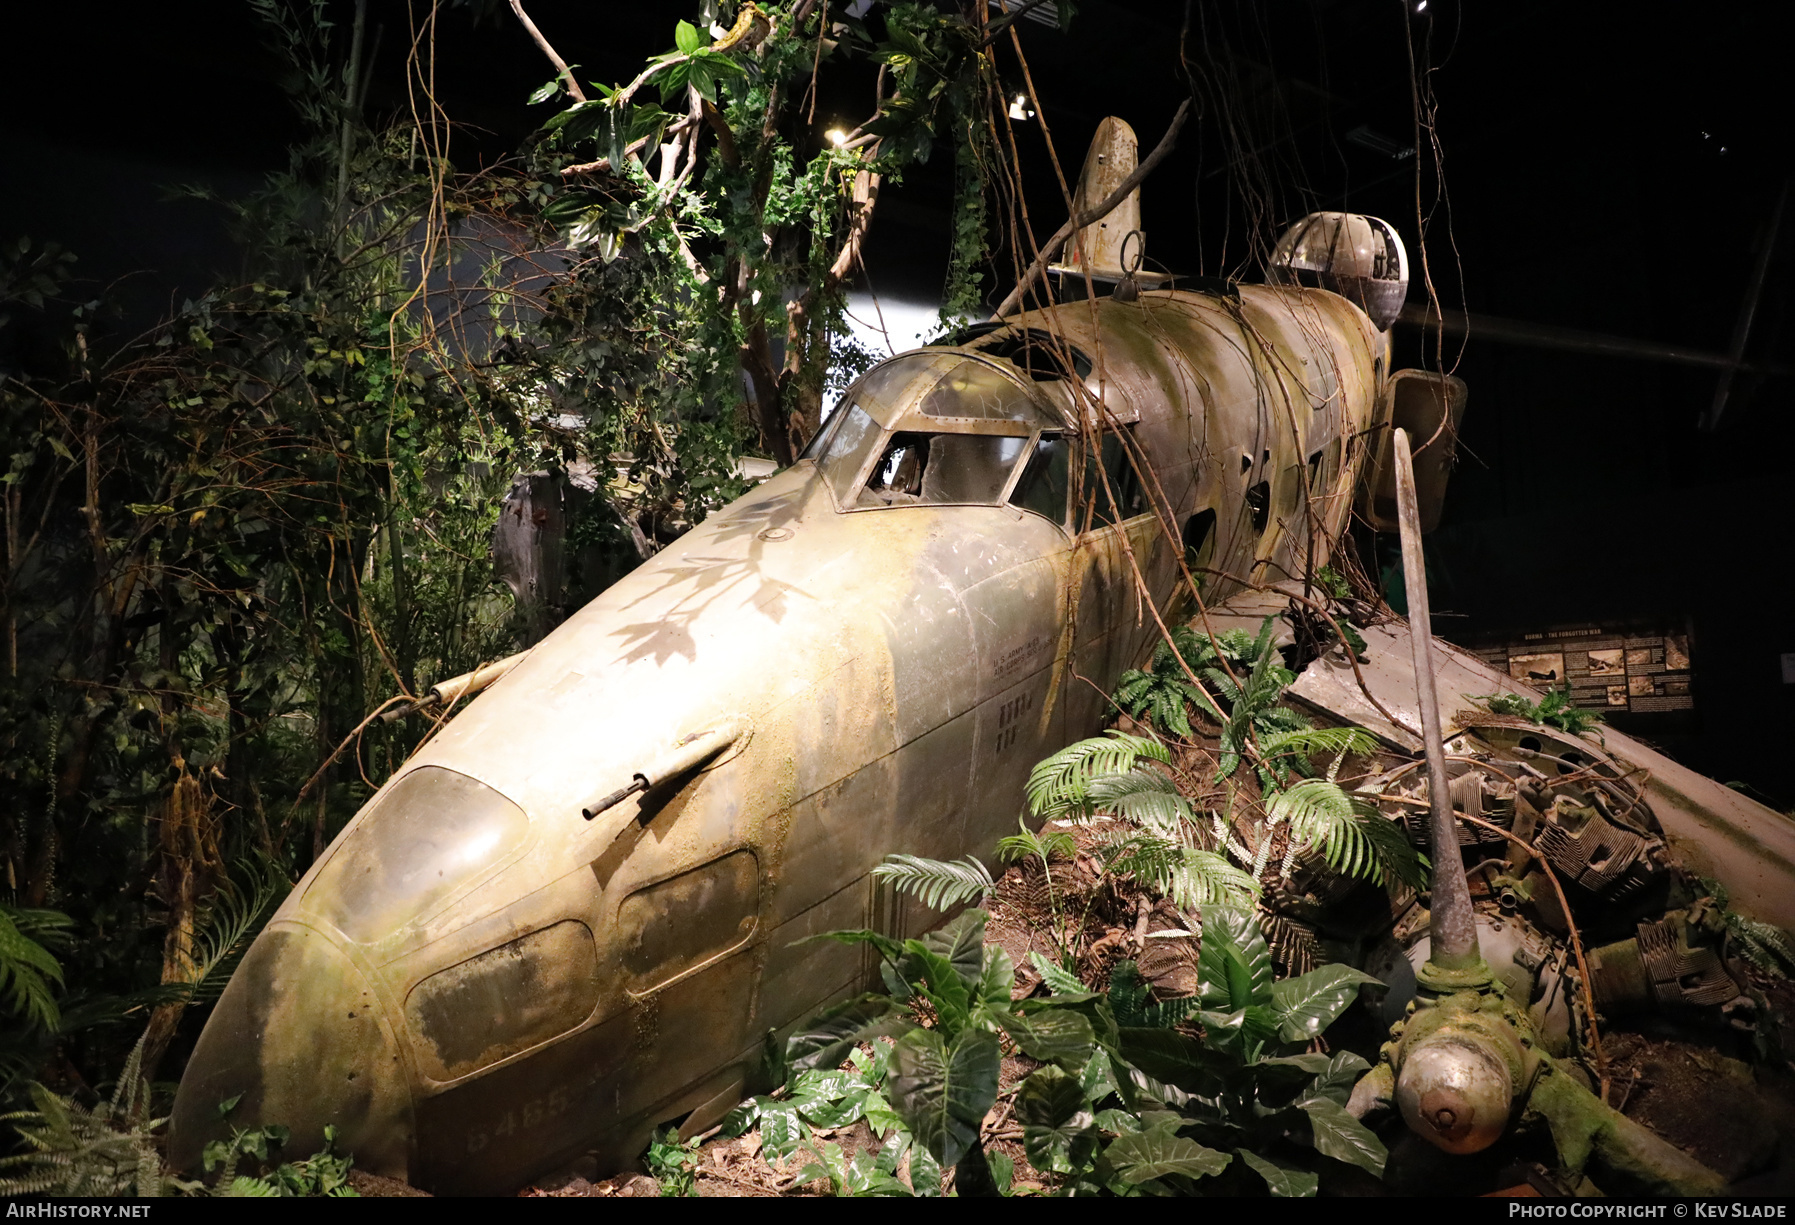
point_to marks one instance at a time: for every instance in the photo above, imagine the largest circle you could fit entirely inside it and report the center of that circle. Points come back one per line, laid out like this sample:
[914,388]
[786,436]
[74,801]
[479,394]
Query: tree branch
[561,68]
[865,196]
[1093,215]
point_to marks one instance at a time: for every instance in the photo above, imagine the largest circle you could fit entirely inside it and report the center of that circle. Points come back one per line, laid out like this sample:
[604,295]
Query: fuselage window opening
[1259,502]
[846,444]
[1324,469]
[1199,538]
[931,429]
[1039,354]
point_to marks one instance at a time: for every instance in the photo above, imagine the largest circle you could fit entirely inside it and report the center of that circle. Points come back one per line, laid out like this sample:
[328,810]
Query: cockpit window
[1123,484]
[929,428]
[434,831]
[975,391]
[1046,481]
[852,435]
[942,469]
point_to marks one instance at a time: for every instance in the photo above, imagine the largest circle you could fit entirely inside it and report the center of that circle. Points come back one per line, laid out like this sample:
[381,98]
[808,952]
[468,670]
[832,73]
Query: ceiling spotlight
[836,137]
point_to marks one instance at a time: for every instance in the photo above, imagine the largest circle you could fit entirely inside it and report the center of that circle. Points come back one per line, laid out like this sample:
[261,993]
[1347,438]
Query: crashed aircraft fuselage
[476,981]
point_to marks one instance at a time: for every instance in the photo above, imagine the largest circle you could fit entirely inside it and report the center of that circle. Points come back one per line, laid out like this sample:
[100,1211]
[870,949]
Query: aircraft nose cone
[300,1039]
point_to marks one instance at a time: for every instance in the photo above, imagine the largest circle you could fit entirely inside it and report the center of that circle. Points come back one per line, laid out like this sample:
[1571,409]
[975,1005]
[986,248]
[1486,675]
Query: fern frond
[939,883]
[1353,838]
[1047,845]
[27,972]
[1059,784]
[50,928]
[108,1151]
[234,918]
[1059,980]
[1143,854]
[1190,876]
[1143,797]
[1205,878]
[1305,741]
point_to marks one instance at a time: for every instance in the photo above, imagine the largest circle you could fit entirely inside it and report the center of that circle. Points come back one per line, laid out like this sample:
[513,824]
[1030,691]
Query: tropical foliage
[1124,1100]
[230,541]
[1553,710]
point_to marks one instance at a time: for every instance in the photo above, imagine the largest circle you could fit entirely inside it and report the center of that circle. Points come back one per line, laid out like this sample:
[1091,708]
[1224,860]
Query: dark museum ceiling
[1610,170]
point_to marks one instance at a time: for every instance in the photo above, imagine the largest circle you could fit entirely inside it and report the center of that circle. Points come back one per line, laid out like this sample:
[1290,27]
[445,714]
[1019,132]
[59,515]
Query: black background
[1610,168]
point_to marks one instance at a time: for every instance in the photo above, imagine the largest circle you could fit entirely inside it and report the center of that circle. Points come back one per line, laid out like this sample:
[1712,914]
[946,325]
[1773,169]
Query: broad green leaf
[1121,1122]
[998,977]
[580,119]
[822,1085]
[1343,1072]
[1311,1063]
[1051,1035]
[962,943]
[1233,963]
[925,1173]
[824,1040]
[1177,1059]
[891,1155]
[744,1116]
[865,1178]
[1049,1097]
[1309,1003]
[1284,1180]
[1099,1078]
[781,1130]
[942,1092]
[1260,1027]
[950,994]
[1003,1170]
[1056,1121]
[836,1112]
[544,92]
[1342,1137]
[698,76]
[889,949]
[1158,1152]
[685,37]
[880,1117]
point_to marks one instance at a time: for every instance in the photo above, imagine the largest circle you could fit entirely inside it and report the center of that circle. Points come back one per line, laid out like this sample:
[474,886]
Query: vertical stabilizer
[1104,249]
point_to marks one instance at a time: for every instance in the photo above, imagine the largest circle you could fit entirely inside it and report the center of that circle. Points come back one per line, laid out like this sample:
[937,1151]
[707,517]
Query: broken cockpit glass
[943,469]
[929,429]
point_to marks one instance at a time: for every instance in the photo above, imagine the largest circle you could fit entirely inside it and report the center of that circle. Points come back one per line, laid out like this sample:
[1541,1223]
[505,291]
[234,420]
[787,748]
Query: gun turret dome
[1358,257]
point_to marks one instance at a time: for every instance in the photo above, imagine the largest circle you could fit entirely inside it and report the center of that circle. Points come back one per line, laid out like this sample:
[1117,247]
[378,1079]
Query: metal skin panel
[801,973]
[896,671]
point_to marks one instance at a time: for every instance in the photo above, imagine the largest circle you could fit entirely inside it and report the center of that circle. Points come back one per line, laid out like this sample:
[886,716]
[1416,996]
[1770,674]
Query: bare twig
[561,68]
[351,738]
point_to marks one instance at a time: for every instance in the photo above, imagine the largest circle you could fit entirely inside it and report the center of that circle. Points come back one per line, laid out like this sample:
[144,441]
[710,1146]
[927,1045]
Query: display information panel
[1641,668]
